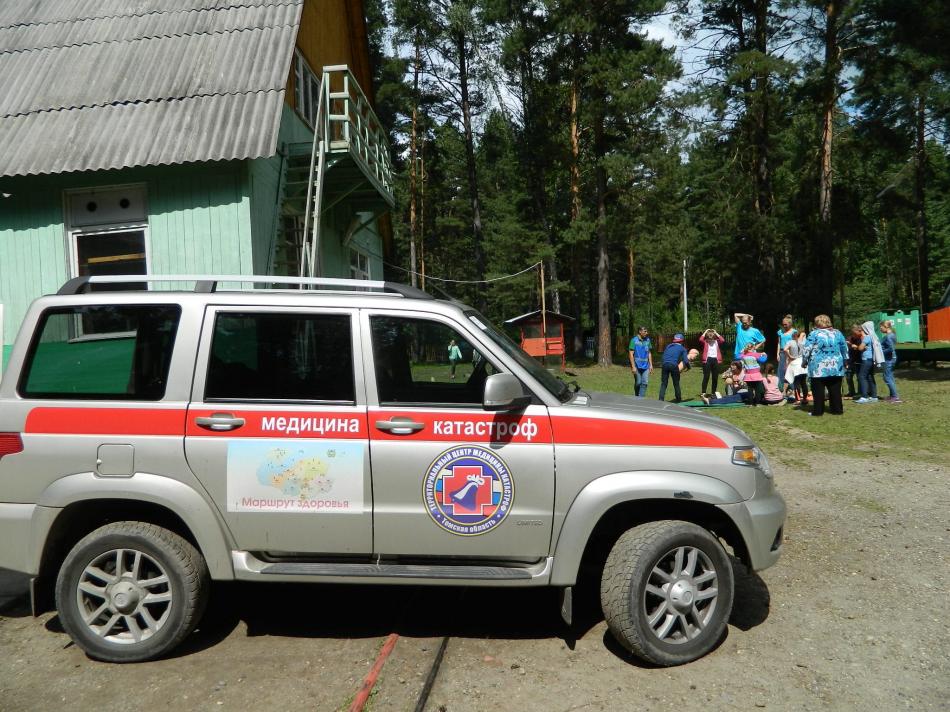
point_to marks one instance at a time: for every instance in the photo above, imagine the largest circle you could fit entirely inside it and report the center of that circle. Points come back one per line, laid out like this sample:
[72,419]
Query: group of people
[807,367]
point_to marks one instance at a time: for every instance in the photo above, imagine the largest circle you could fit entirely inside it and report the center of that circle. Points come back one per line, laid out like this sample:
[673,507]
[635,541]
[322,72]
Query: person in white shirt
[712,357]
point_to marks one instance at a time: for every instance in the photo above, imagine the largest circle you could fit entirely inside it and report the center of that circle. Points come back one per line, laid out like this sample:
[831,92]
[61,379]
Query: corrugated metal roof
[19,12]
[162,68]
[162,132]
[157,24]
[160,81]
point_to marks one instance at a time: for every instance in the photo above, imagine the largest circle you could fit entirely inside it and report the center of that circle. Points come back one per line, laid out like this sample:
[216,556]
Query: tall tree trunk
[631,302]
[604,328]
[461,44]
[422,217]
[764,199]
[842,262]
[536,172]
[825,248]
[923,258]
[576,263]
[412,165]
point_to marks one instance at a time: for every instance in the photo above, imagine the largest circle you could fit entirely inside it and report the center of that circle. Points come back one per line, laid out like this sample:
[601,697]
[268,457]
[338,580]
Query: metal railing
[344,122]
[351,124]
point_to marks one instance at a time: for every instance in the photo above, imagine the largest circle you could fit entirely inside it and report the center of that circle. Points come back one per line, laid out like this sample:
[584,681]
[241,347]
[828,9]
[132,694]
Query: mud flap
[567,605]
[41,595]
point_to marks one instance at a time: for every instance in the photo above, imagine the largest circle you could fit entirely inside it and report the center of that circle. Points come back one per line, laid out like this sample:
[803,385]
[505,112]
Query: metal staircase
[349,167]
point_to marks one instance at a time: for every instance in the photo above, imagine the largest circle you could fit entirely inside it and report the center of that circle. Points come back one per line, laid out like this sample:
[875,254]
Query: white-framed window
[107,234]
[307,89]
[107,230]
[359,265]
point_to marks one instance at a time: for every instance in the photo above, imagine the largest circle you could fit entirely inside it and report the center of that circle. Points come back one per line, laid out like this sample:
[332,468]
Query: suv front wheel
[131,591]
[666,591]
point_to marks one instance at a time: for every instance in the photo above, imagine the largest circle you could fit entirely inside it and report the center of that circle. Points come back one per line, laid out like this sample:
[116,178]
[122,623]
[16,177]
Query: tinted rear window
[281,357]
[118,352]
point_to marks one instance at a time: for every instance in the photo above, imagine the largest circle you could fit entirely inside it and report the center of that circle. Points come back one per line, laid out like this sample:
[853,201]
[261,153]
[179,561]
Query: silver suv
[349,431]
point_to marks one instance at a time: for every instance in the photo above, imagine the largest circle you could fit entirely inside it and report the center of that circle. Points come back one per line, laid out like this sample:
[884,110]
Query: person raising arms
[711,358]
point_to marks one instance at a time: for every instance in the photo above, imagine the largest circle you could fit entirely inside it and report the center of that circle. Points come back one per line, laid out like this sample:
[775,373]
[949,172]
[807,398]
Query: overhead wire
[466,281]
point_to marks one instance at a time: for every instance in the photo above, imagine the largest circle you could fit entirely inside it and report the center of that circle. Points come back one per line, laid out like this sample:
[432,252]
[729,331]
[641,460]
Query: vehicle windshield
[558,388]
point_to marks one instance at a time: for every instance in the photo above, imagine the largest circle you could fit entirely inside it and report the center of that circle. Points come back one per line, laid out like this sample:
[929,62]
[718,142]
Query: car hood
[616,404]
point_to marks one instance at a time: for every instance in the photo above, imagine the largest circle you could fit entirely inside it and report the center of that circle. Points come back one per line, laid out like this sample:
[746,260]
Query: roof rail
[209,283]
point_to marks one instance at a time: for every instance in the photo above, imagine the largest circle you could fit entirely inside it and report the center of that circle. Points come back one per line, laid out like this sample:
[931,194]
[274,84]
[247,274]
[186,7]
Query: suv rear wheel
[131,591]
[666,591]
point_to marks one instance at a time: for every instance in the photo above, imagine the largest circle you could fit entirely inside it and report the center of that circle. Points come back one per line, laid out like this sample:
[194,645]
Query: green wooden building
[186,137]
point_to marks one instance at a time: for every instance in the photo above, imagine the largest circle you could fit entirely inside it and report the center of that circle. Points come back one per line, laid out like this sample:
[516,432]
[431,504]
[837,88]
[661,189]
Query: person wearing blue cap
[673,355]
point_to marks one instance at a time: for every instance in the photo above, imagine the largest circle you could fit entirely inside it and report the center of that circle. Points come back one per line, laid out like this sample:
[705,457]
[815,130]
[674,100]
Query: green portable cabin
[906,326]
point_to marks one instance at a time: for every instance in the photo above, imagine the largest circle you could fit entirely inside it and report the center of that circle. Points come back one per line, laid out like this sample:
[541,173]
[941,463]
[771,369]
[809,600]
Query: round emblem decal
[468,491]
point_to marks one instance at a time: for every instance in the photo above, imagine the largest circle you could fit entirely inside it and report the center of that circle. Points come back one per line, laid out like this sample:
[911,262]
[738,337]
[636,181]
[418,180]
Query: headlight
[751,457]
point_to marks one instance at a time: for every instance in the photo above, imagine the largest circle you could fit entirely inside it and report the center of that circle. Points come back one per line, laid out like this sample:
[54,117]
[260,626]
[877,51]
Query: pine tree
[905,67]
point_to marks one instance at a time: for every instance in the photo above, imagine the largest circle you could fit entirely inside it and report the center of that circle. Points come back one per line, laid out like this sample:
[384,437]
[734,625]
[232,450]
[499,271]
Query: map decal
[322,476]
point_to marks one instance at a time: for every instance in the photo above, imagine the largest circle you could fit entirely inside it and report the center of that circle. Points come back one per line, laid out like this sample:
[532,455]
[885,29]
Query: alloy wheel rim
[680,595]
[124,596]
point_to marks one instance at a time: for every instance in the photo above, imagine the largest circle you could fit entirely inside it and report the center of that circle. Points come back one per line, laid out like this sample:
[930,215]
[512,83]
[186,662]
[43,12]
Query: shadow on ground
[14,594]
[346,611]
[916,373]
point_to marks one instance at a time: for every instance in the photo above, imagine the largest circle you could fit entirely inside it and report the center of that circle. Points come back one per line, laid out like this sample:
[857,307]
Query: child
[889,348]
[641,361]
[732,378]
[773,396]
[673,356]
[712,357]
[786,335]
[752,361]
[797,374]
[455,355]
[738,397]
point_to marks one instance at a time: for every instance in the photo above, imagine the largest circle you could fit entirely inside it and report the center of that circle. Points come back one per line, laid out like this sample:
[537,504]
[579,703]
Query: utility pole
[544,316]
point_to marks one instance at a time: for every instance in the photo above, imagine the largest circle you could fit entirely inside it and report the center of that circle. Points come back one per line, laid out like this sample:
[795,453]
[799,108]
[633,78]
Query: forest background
[793,152]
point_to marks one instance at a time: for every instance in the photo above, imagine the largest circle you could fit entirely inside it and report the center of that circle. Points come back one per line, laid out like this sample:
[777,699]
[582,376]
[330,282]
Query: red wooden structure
[542,334]
[938,325]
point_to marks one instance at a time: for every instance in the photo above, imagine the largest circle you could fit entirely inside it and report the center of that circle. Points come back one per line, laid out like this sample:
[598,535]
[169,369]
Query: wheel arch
[84,502]
[610,505]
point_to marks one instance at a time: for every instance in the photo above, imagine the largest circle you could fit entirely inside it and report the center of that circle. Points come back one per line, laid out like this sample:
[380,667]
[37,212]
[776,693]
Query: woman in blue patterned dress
[826,352]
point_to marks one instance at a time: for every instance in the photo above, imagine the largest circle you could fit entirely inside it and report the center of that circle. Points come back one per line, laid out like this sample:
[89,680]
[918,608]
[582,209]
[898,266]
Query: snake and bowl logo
[468,491]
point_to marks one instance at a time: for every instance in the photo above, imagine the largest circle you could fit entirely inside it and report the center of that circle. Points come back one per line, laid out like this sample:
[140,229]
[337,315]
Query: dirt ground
[853,617]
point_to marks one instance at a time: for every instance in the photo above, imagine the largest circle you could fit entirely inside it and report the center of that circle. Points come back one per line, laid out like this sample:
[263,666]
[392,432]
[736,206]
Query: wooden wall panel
[334,32]
[199,222]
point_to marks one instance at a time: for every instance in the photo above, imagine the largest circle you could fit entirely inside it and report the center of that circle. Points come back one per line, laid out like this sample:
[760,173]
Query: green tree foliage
[783,163]
[903,95]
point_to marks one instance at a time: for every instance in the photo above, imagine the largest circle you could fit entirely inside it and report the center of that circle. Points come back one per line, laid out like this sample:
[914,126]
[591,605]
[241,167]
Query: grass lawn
[917,429]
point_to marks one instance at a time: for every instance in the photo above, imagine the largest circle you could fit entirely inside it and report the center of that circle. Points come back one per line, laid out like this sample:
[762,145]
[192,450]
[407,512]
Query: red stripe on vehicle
[603,431]
[333,425]
[106,421]
[466,427]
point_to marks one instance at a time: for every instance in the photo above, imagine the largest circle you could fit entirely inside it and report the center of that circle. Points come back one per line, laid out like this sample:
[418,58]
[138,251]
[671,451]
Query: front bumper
[760,521]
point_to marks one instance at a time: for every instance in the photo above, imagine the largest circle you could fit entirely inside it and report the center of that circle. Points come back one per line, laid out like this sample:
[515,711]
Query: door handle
[219,422]
[400,426]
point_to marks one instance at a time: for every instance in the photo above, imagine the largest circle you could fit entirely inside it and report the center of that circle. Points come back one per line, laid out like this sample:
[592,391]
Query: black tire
[132,627]
[695,606]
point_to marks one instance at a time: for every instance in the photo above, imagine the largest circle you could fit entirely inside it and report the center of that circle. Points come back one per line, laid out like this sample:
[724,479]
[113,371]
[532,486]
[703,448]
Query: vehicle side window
[281,357]
[426,362]
[66,362]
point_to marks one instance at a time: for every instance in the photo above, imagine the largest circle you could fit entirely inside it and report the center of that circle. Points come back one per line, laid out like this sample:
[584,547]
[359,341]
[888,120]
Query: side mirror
[504,392]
